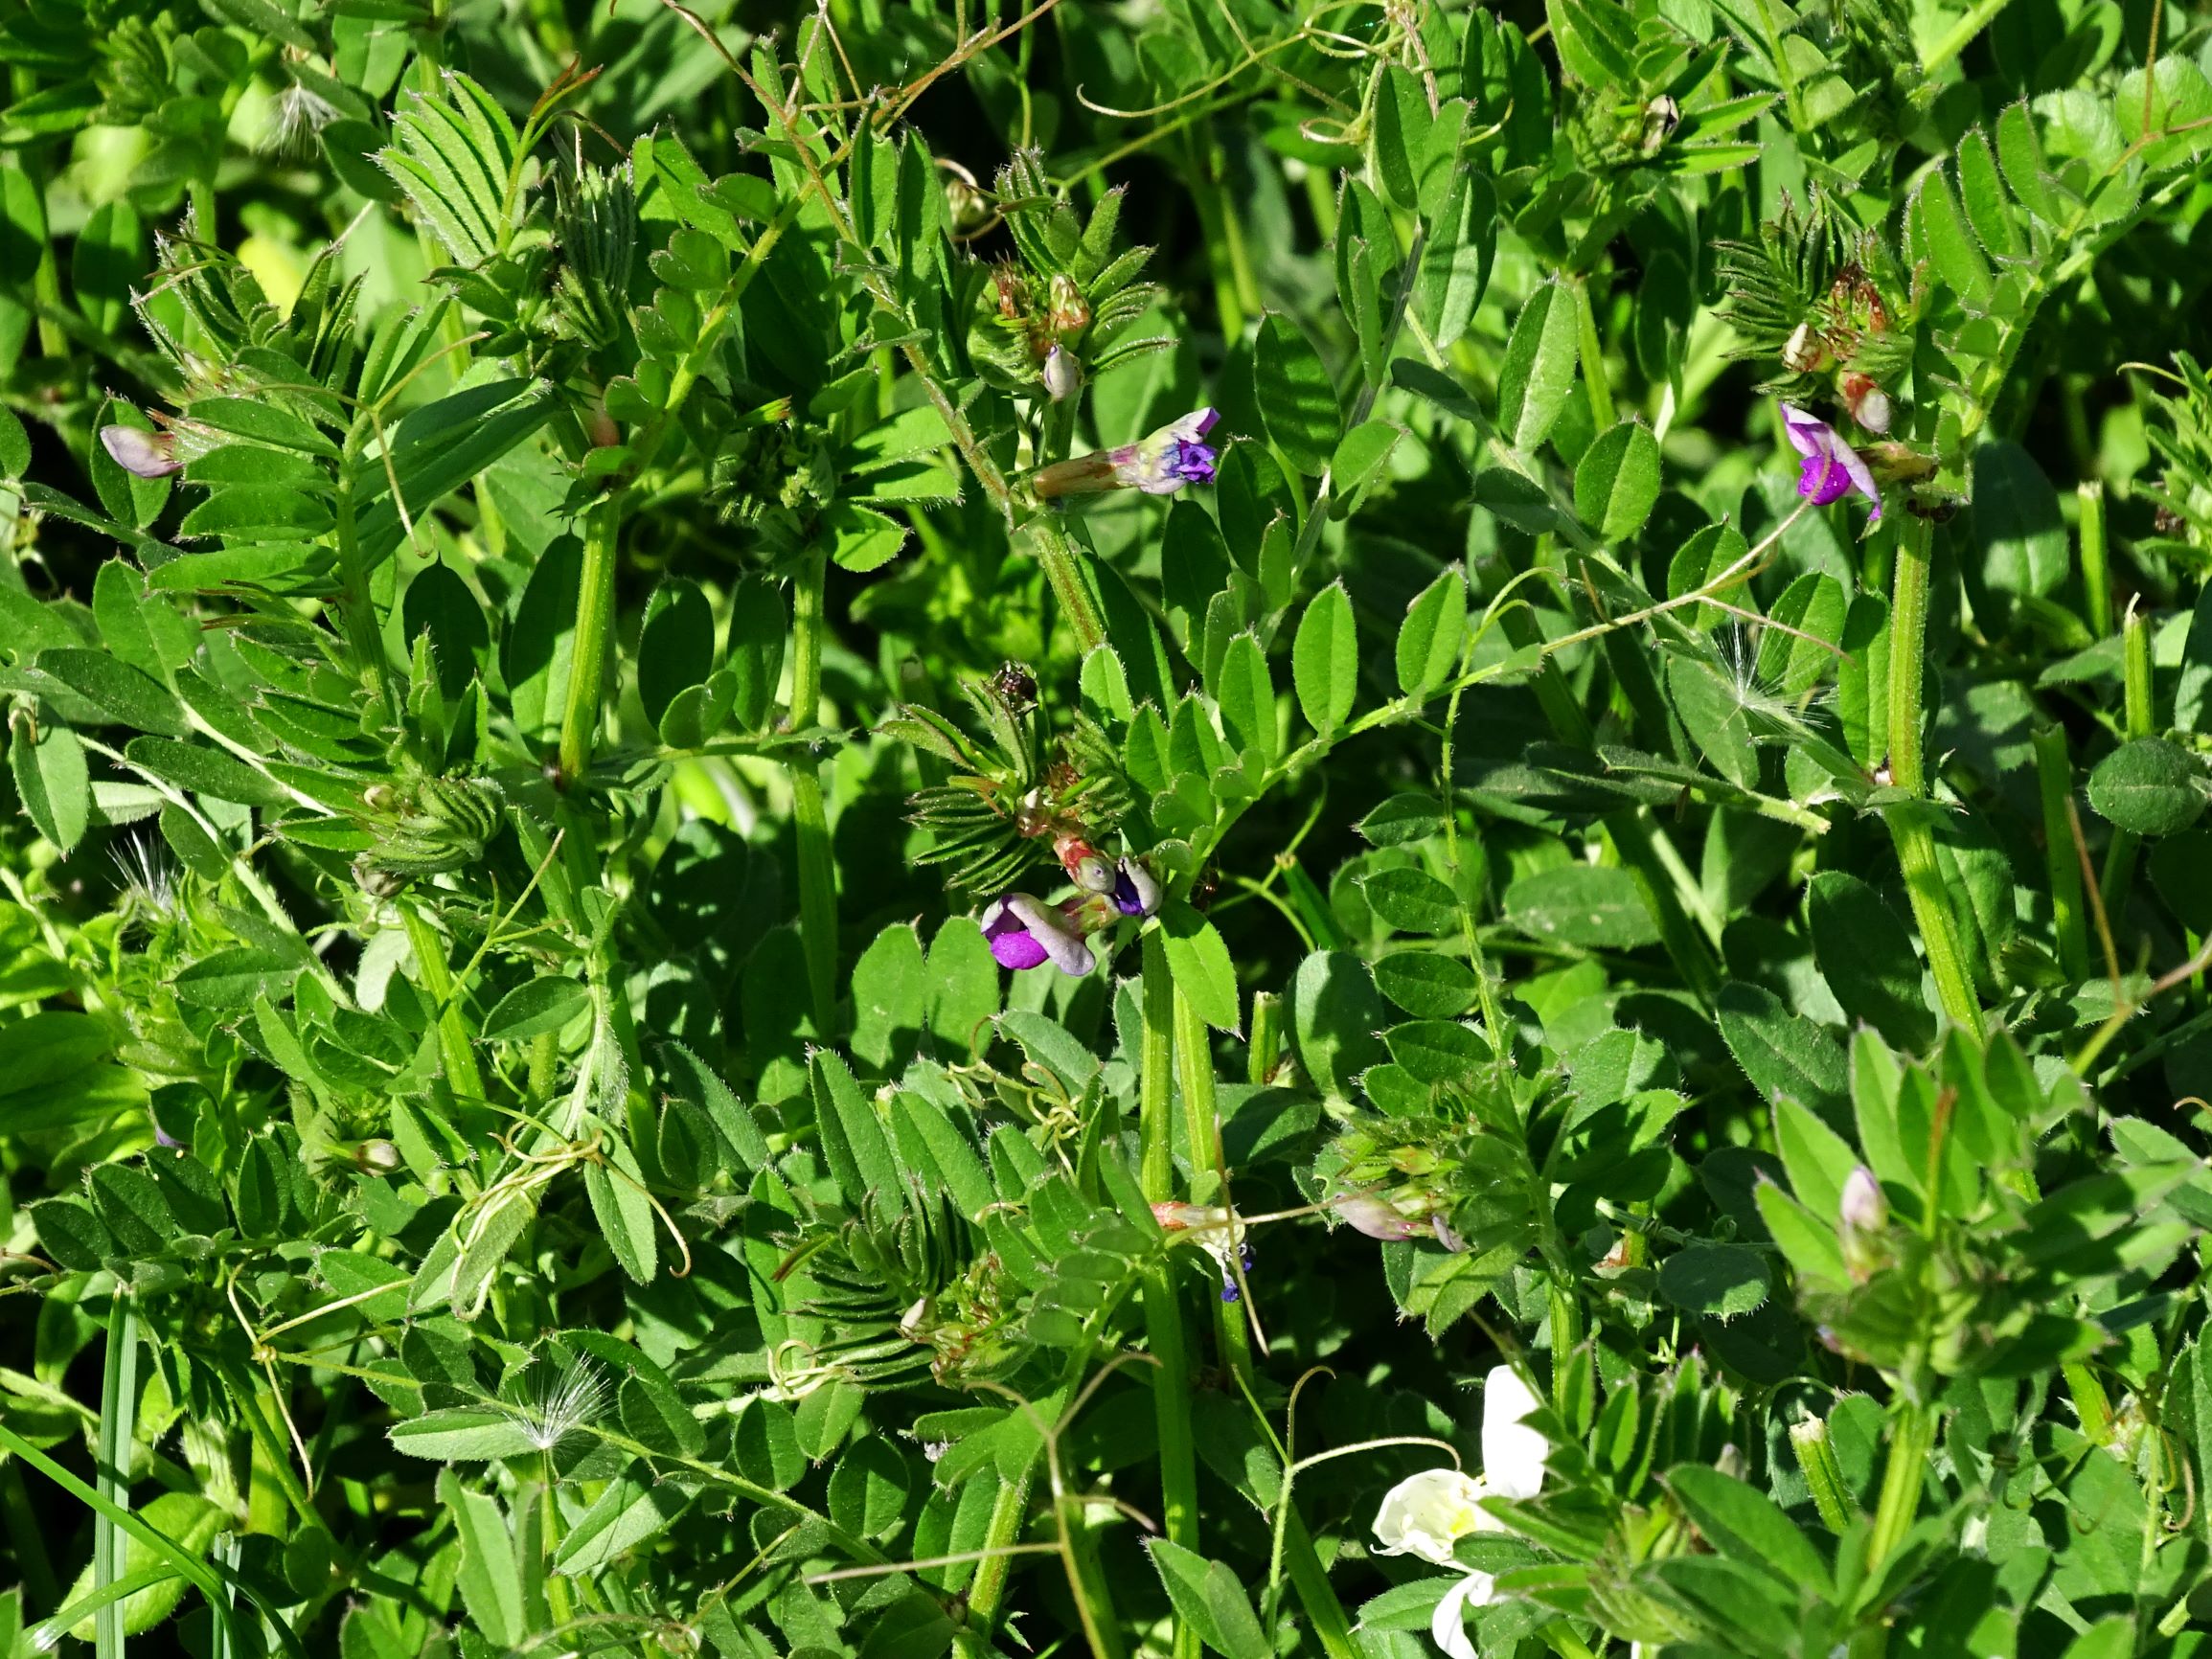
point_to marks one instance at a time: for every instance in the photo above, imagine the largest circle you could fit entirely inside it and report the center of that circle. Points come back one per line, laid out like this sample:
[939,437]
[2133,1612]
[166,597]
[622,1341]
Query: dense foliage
[1242,825]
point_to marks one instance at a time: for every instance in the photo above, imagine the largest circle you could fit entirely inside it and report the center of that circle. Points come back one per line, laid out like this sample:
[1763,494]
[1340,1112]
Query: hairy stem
[593,639]
[1008,1510]
[1911,1436]
[461,1071]
[1064,571]
[1909,826]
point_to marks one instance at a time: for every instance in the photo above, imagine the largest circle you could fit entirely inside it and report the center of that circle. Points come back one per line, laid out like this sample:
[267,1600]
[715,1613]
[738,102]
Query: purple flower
[1176,455]
[1832,466]
[146,454]
[1023,933]
[1135,891]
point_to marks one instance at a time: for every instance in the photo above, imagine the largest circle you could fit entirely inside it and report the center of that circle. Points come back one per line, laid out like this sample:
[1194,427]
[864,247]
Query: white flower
[1427,1514]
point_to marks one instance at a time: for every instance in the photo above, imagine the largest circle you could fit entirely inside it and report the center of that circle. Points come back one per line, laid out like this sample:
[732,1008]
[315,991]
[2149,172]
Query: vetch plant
[821,830]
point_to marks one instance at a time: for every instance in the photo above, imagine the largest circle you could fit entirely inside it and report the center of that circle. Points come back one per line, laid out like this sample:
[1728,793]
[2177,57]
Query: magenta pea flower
[1832,466]
[1024,933]
[1176,455]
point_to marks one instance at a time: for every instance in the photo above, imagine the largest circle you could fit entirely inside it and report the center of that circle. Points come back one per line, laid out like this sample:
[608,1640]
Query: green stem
[1086,1580]
[1171,1381]
[1071,584]
[1157,1085]
[1911,1435]
[2069,917]
[2096,574]
[1909,824]
[1195,1069]
[810,817]
[593,639]
[118,1432]
[461,1071]
[1007,1513]
[2119,872]
[1961,34]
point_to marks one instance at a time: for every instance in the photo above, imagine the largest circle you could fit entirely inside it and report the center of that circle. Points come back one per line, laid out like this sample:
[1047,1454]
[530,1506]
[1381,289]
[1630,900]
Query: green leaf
[1325,660]
[453,156]
[615,1185]
[2149,787]
[1425,983]
[1398,139]
[1334,1015]
[1200,964]
[1809,1247]
[1747,1524]
[1957,257]
[1359,458]
[1724,1280]
[1209,1597]
[1817,1159]
[489,1582]
[231,979]
[754,656]
[1714,717]
[654,1416]
[53,782]
[1538,370]
[546,1003]
[1246,695]
[2019,535]
[118,689]
[15,446]
[1617,481]
[1455,262]
[463,1434]
[868,1489]
[1595,907]
[1783,1054]
[205,771]
[1297,397]
[624,1516]
[1432,635]
[854,1142]
[676,647]
[1814,605]
[1412,900]
[1865,954]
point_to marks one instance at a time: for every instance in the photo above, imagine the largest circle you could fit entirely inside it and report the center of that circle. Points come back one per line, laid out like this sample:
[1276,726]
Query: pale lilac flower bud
[1023,933]
[144,454]
[1864,1208]
[1867,402]
[1378,1219]
[1085,865]
[1061,375]
[1832,466]
[1865,1213]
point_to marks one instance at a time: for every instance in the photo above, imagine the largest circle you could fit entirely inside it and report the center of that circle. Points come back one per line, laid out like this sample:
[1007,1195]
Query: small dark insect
[1015,686]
